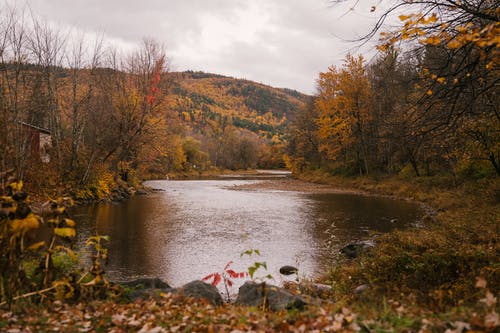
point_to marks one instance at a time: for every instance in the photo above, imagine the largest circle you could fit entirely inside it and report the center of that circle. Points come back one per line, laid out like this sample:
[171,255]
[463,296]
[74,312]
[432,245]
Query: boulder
[353,250]
[201,290]
[146,283]
[288,270]
[146,288]
[269,296]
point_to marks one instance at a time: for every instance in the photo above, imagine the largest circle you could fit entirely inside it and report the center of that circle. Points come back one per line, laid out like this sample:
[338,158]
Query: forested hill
[137,122]
[198,97]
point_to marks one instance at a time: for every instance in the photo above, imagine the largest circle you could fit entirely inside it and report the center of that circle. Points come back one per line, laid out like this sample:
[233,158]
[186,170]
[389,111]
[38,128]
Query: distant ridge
[262,109]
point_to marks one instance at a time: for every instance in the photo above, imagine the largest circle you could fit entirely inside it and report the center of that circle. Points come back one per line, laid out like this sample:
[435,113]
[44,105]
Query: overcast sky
[283,43]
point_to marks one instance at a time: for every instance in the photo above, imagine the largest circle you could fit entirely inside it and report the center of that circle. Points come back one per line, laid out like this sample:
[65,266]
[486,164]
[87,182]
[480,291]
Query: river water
[188,229]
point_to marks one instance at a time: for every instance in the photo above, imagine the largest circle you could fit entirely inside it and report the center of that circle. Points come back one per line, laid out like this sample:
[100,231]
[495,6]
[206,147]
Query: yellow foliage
[70,223]
[16,186]
[405,17]
[65,232]
[36,246]
[30,222]
[454,44]
[432,40]
[343,107]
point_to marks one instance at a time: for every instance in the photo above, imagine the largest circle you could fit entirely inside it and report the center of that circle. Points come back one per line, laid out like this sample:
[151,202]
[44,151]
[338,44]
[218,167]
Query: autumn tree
[303,151]
[455,101]
[131,96]
[343,105]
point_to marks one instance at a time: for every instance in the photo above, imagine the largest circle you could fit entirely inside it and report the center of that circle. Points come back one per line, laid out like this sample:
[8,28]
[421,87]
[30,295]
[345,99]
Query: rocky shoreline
[251,293]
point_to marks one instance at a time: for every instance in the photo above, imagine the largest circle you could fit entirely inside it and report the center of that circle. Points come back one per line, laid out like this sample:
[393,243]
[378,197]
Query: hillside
[235,123]
[198,97]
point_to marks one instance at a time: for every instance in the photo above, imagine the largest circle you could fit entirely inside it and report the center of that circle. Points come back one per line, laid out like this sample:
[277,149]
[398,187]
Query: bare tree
[14,57]
[47,47]
[83,69]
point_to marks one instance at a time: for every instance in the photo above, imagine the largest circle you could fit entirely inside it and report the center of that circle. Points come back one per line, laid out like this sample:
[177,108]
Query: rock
[353,250]
[146,288]
[308,288]
[147,283]
[147,293]
[199,289]
[288,270]
[320,287]
[361,289]
[272,297]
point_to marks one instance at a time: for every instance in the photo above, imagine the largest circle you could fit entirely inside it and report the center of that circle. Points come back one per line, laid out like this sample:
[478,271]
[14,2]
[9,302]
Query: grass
[439,263]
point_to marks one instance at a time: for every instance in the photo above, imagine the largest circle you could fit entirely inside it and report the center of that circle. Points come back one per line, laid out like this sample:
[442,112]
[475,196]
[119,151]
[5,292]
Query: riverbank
[441,277]
[436,266]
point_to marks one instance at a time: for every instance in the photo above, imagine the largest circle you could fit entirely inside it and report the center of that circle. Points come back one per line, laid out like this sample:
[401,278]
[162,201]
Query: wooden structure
[39,140]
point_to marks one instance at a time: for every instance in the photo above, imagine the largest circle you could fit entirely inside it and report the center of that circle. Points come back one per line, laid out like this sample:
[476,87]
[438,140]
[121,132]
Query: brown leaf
[480,282]
[492,320]
[489,300]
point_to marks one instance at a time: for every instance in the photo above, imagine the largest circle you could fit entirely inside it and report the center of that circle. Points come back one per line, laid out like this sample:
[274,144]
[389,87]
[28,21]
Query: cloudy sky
[283,43]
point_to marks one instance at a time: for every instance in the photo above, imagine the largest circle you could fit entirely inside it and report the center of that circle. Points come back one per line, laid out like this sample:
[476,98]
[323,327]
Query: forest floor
[443,277]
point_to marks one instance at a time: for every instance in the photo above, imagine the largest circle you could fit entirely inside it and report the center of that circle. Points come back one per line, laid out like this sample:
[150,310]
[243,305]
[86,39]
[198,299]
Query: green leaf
[247,252]
[251,271]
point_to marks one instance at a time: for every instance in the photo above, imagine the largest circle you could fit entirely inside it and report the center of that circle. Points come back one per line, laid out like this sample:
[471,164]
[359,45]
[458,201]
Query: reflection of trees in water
[133,236]
[339,219]
[196,226]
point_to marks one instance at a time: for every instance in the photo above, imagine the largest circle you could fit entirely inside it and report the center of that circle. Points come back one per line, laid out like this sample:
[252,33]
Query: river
[190,228]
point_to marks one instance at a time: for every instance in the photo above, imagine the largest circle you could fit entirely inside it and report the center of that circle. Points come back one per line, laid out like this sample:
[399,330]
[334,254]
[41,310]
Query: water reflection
[339,219]
[194,228]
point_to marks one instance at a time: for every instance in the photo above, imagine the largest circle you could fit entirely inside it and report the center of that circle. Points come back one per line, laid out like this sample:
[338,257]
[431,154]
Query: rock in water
[353,250]
[288,270]
[199,289]
[272,297]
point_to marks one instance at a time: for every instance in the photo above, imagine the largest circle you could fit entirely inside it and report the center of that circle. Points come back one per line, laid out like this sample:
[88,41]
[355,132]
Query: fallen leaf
[489,300]
[491,320]
[480,282]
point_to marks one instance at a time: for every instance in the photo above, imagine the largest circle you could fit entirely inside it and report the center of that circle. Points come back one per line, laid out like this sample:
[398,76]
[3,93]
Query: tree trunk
[495,163]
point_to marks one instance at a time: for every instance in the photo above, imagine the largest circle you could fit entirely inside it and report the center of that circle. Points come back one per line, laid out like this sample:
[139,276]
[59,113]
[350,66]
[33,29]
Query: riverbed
[187,229]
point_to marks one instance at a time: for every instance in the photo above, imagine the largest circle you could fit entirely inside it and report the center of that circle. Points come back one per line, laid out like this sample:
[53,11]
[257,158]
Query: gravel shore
[295,185]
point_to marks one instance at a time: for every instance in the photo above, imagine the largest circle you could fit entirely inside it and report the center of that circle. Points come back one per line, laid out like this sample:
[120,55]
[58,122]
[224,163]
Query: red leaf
[243,274]
[232,273]
[216,280]
[229,283]
[208,277]
[227,265]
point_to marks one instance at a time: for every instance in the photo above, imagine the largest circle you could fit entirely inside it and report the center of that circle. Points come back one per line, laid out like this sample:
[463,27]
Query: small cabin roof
[40,129]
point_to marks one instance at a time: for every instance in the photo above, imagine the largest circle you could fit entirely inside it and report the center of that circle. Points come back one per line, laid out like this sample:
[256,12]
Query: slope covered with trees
[115,118]
[235,123]
[428,104]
